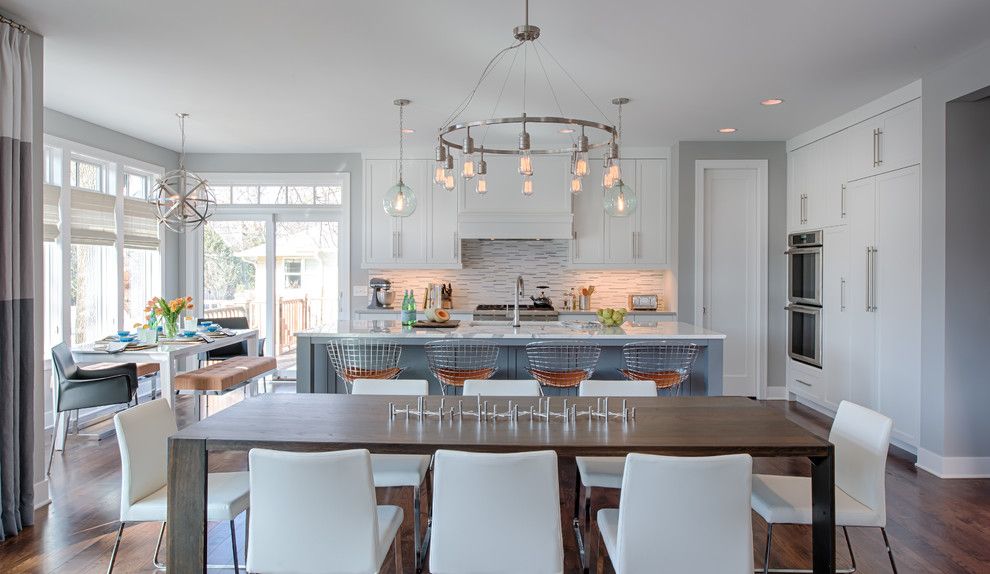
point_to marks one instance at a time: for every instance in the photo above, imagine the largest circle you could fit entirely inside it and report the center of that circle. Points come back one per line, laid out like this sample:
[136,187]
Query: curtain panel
[16,284]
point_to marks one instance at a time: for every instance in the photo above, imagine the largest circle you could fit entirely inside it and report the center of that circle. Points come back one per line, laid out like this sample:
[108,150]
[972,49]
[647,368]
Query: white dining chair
[316,513]
[401,470]
[142,436]
[680,514]
[602,471]
[861,438]
[502,388]
[496,513]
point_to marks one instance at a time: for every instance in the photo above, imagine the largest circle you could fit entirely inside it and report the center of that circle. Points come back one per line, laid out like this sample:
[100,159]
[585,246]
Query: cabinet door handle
[879,146]
[574,244]
[869,279]
[842,294]
[842,201]
[876,147]
[873,279]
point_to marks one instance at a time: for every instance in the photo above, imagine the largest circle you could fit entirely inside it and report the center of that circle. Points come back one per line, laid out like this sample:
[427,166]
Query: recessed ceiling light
[408,131]
[566,130]
[726,130]
[772,102]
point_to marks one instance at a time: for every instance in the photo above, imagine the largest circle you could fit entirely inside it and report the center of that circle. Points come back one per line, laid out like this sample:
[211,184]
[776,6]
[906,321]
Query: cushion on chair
[228,496]
[354,373]
[399,469]
[143,369]
[563,379]
[663,379]
[601,471]
[456,377]
[787,500]
[224,375]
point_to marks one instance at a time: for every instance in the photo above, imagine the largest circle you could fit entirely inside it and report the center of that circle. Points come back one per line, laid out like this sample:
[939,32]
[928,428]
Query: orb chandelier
[183,200]
[400,199]
[456,136]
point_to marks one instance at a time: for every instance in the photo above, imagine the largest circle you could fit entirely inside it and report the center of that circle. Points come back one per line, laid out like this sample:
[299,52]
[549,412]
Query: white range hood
[514,225]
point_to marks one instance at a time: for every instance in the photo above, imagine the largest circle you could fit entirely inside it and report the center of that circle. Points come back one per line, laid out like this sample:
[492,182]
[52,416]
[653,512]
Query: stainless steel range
[504,313]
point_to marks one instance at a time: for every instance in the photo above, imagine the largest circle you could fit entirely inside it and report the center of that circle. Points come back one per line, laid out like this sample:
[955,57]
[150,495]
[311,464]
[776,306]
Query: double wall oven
[804,297]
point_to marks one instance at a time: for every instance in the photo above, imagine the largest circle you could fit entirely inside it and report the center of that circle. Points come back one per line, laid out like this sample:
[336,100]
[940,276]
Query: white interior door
[733,267]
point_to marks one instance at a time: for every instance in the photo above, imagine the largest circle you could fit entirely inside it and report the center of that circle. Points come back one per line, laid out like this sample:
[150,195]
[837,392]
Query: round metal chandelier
[182,199]
[585,135]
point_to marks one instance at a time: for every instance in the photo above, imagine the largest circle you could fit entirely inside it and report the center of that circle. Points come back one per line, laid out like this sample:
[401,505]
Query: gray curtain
[16,285]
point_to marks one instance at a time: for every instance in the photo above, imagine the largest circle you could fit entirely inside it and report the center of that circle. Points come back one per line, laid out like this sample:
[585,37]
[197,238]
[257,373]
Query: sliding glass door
[234,271]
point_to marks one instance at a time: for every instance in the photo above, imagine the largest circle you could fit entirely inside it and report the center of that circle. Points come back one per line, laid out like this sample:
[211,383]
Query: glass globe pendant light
[400,200]
[620,200]
[481,184]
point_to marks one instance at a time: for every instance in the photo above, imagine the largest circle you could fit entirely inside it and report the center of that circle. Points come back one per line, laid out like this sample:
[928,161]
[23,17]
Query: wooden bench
[223,377]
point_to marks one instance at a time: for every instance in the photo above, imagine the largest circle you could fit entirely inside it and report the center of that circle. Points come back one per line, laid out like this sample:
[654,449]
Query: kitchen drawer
[805,382]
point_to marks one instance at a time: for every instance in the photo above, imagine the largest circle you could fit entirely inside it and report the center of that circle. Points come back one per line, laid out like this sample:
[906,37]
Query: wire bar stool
[666,364]
[364,359]
[562,364]
[453,362]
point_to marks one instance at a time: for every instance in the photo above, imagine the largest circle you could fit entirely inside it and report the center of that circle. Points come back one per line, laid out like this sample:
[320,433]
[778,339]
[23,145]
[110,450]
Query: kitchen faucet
[520,291]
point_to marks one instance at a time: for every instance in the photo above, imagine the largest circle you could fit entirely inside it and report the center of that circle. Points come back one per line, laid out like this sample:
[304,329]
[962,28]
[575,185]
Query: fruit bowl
[611,317]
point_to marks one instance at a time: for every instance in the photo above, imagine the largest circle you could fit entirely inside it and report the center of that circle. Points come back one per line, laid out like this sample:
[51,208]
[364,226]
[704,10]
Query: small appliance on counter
[542,302]
[644,303]
[380,294]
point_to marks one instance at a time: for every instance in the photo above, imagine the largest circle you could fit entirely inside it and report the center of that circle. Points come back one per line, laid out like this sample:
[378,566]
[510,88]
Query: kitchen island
[315,374]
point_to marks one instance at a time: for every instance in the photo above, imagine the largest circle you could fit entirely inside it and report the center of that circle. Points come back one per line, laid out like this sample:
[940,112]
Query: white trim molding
[953,466]
[42,496]
[762,168]
[777,394]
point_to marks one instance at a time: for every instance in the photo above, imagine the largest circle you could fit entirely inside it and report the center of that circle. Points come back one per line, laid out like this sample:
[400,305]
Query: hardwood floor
[934,525]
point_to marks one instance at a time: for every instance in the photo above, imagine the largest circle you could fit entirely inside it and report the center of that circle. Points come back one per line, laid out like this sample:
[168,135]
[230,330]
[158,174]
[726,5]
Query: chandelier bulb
[527,186]
[438,174]
[525,164]
[481,185]
[448,182]
[468,168]
[576,184]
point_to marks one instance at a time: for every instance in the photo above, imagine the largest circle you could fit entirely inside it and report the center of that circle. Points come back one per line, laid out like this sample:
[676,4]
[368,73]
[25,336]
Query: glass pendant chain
[182,139]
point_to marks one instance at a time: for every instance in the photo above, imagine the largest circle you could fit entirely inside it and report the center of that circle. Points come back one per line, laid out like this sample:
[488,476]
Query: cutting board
[434,325]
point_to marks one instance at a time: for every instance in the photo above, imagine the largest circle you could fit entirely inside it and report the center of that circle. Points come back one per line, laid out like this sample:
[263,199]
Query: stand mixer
[380,294]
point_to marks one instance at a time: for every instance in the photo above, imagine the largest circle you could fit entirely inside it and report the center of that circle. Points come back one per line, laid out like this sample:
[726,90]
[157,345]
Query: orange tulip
[189,298]
[189,306]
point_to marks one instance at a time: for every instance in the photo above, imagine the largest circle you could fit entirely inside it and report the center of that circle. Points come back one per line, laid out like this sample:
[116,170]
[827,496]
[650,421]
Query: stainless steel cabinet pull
[869,278]
[875,147]
[842,201]
[879,147]
[873,279]
[842,294]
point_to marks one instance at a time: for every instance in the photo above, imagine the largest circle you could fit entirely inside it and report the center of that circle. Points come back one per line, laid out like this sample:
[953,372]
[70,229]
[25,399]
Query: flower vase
[170,327]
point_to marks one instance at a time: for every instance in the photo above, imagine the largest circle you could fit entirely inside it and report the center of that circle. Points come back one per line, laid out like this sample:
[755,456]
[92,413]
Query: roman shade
[91,218]
[50,218]
[140,225]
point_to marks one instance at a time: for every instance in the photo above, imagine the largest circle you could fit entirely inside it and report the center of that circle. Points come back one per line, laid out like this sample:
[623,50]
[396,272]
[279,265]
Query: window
[292,270]
[85,174]
[99,227]
[302,195]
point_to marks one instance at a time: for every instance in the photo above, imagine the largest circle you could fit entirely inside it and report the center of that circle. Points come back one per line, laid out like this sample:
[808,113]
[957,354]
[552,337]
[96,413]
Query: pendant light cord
[402,108]
[182,139]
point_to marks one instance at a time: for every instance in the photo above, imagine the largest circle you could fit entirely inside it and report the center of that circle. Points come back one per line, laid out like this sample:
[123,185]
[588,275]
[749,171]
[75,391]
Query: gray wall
[686,153]
[960,77]
[300,163]
[967,278]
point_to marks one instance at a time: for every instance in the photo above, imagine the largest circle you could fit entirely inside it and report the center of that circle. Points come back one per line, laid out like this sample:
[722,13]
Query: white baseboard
[953,466]
[776,393]
[42,497]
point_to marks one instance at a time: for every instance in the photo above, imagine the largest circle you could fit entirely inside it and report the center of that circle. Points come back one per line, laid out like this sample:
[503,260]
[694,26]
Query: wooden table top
[676,426]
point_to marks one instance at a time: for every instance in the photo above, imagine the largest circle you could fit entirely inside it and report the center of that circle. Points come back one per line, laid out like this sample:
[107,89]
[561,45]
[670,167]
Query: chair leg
[587,507]
[766,555]
[51,457]
[397,550]
[890,552]
[233,545]
[247,532]
[599,552]
[158,547]
[116,545]
[417,506]
[849,546]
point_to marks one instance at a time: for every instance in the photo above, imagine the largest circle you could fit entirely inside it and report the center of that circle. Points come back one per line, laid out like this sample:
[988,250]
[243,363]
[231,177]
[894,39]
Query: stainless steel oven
[804,334]
[804,268]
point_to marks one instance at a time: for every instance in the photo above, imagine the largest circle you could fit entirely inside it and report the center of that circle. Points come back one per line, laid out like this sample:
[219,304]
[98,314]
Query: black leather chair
[86,388]
[236,349]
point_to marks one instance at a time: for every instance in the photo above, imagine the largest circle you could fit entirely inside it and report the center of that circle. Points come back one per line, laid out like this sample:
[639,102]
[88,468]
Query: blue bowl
[126,338]
[213,328]
[205,323]
[123,333]
[188,333]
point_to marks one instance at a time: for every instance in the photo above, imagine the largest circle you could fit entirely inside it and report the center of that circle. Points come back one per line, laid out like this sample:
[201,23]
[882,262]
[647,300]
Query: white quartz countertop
[528,330]
[462,311]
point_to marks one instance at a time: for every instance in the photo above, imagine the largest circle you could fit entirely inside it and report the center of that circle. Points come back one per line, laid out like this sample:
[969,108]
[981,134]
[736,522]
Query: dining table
[674,426]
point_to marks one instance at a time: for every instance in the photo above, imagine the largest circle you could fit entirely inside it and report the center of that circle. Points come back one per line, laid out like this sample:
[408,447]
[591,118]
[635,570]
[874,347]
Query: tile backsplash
[490,268]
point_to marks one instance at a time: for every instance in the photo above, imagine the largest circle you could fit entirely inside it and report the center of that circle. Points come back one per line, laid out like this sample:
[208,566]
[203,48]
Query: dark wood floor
[934,525]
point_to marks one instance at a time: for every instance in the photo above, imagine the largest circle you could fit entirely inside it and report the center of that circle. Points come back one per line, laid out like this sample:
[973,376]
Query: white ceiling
[320,76]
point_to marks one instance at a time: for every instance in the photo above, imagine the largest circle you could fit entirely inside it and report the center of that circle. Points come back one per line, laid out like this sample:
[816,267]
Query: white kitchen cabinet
[805,198]
[640,241]
[872,327]
[887,142]
[427,238]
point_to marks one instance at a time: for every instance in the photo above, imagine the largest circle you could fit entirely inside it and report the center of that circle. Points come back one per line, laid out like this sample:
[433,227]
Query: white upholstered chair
[399,470]
[502,388]
[316,513]
[142,435]
[496,513]
[603,471]
[861,438]
[681,514]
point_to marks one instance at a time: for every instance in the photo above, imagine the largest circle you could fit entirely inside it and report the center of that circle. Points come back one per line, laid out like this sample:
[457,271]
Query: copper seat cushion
[663,379]
[456,377]
[351,374]
[225,374]
[143,369]
[564,379]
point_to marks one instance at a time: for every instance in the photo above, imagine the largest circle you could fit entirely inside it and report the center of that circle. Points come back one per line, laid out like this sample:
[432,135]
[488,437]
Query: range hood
[514,225]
